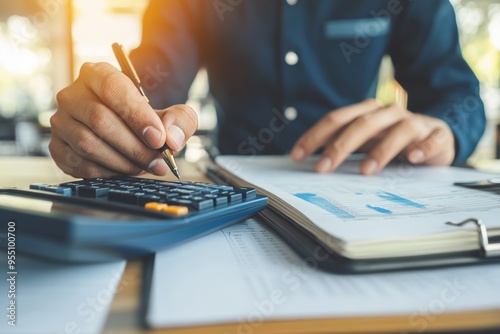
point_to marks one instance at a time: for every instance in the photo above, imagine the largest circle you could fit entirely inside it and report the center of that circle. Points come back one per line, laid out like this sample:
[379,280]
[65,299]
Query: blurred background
[44,42]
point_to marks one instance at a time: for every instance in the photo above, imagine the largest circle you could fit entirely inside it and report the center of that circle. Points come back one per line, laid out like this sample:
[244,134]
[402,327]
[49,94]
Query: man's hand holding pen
[104,126]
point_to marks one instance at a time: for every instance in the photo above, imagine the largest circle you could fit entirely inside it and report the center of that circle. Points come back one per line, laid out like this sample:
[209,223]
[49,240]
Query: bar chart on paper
[348,202]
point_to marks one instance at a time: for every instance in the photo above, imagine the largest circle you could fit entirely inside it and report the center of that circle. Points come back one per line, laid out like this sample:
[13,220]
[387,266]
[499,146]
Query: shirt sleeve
[169,55]
[428,63]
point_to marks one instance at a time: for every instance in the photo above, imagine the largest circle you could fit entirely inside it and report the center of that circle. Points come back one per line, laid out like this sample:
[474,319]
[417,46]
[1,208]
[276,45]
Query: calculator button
[128,187]
[166,194]
[183,191]
[38,186]
[155,206]
[92,191]
[218,200]
[65,191]
[60,190]
[178,201]
[231,196]
[168,184]
[247,193]
[176,210]
[200,189]
[124,196]
[149,190]
[73,185]
[200,203]
[142,200]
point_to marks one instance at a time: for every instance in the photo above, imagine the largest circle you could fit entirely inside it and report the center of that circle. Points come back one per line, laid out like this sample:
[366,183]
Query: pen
[129,70]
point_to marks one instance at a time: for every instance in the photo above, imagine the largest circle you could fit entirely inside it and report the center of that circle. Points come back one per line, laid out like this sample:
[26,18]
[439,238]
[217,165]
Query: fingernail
[158,167]
[324,165]
[298,154]
[370,166]
[152,136]
[416,156]
[176,135]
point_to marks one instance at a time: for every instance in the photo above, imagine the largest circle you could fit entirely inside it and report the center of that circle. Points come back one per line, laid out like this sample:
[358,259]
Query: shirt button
[291,2]
[291,58]
[290,113]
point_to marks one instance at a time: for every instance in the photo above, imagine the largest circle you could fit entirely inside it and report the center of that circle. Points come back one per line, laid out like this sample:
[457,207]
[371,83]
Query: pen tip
[176,173]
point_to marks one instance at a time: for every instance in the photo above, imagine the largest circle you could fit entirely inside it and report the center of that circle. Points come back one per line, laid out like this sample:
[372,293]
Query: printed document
[246,275]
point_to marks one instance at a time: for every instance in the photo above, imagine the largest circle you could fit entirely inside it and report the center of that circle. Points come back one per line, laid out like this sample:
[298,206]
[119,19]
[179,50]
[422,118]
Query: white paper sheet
[245,273]
[58,298]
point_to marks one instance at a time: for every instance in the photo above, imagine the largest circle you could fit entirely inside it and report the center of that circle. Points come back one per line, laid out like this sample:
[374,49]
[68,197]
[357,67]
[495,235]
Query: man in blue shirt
[287,76]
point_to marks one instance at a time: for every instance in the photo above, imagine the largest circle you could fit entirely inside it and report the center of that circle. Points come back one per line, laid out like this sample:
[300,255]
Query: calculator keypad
[174,197]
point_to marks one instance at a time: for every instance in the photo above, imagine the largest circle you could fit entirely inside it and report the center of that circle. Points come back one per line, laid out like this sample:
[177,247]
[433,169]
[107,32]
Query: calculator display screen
[48,206]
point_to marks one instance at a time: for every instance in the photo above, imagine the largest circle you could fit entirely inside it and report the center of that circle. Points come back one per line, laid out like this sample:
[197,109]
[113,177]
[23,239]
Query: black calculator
[104,219]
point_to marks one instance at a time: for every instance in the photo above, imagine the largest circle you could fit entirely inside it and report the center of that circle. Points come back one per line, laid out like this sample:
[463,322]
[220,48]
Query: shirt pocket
[362,28]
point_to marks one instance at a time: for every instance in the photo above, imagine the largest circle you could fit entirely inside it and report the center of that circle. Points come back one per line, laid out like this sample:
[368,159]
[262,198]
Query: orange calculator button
[155,206]
[176,210]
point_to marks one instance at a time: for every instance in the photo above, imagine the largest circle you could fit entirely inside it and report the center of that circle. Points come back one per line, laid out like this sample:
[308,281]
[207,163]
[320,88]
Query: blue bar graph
[399,200]
[379,209]
[324,204]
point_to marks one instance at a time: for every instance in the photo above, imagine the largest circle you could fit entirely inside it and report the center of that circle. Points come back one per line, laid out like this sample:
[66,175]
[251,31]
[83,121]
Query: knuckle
[333,118]
[337,147]
[364,120]
[410,125]
[55,121]
[372,103]
[84,143]
[87,69]
[110,87]
[135,118]
[383,152]
[63,96]
[97,117]
[308,142]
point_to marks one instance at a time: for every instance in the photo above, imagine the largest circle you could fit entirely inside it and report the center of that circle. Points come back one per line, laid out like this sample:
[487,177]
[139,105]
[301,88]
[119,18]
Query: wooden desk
[124,314]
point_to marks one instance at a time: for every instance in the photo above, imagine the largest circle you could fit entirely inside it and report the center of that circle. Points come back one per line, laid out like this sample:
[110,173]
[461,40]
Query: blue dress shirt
[276,67]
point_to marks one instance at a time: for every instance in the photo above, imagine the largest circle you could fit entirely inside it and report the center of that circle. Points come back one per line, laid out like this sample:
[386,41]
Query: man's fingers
[394,142]
[71,163]
[328,126]
[356,134]
[114,131]
[91,147]
[181,122]
[433,150]
[118,92]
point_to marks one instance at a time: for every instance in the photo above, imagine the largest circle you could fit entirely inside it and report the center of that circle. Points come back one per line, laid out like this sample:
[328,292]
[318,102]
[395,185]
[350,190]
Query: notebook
[395,220]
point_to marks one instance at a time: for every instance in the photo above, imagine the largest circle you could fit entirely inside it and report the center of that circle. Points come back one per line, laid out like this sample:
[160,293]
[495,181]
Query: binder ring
[487,249]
